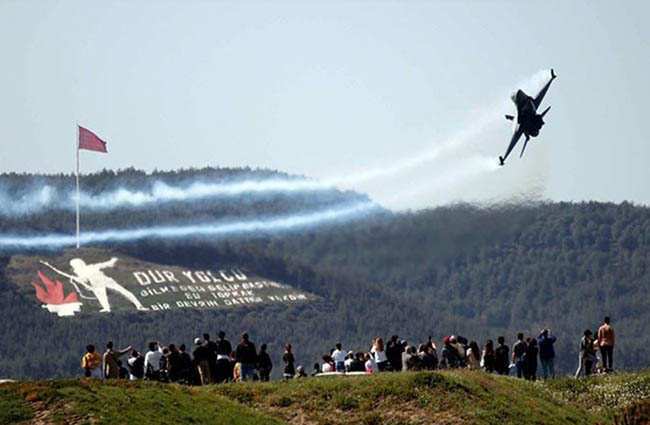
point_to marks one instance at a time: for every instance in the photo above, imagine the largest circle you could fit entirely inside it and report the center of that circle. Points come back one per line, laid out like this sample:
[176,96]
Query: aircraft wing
[513,142]
[540,96]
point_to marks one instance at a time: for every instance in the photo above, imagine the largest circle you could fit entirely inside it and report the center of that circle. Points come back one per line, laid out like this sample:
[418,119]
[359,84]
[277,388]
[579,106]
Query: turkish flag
[89,141]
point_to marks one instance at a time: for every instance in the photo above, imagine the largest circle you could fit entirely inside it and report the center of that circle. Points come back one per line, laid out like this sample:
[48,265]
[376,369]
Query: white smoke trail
[446,181]
[47,197]
[162,192]
[213,230]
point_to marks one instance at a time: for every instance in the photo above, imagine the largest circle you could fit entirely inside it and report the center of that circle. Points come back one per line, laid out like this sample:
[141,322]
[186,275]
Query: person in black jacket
[174,364]
[501,360]
[187,376]
[394,350]
[289,360]
[530,362]
[201,357]
[450,356]
[212,359]
[224,366]
[246,355]
[428,358]
[264,364]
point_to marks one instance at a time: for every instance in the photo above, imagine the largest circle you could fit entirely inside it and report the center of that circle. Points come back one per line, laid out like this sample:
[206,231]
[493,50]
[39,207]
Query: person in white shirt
[349,358]
[152,361]
[339,358]
[379,354]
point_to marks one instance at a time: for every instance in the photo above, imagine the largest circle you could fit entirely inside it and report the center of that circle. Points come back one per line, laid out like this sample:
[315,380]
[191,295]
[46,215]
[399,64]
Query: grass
[12,408]
[454,397]
[91,401]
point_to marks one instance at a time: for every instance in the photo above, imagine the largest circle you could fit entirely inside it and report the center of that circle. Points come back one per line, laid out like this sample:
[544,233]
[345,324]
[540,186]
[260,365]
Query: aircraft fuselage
[527,117]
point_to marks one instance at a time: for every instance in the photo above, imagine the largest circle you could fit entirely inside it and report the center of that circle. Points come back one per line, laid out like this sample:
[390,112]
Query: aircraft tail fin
[545,111]
[553,76]
[509,117]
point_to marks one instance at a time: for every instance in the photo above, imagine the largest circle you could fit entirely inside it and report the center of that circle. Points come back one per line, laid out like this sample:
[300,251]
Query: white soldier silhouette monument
[92,277]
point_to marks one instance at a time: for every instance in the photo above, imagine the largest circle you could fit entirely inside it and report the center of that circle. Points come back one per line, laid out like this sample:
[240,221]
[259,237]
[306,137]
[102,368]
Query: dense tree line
[478,272]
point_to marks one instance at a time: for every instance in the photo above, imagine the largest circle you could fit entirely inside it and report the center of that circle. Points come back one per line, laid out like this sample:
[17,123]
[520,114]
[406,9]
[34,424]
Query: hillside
[26,327]
[477,272]
[507,269]
[460,397]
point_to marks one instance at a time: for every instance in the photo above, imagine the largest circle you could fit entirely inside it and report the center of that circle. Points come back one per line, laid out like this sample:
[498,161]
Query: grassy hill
[459,397]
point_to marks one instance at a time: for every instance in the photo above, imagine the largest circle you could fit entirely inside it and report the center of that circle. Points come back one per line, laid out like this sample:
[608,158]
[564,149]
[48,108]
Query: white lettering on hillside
[164,289]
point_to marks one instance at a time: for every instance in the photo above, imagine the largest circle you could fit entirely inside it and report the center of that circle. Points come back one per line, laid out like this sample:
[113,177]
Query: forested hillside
[561,265]
[478,272]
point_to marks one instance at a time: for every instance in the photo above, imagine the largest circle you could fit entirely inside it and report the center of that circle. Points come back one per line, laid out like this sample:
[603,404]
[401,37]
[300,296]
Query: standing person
[246,355]
[598,366]
[187,375]
[163,372]
[91,363]
[487,360]
[501,362]
[428,357]
[378,352]
[338,355]
[394,350]
[212,353]
[173,364]
[606,340]
[585,354]
[152,362]
[135,364]
[224,366]
[530,364]
[473,356]
[547,353]
[449,354]
[289,360]
[111,368]
[202,361]
[460,343]
[519,354]
[264,364]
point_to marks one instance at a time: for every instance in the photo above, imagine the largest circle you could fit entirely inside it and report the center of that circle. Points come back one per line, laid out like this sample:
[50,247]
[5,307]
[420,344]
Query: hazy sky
[338,91]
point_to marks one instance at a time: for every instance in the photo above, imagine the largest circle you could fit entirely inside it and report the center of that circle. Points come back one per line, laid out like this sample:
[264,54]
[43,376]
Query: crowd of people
[216,361]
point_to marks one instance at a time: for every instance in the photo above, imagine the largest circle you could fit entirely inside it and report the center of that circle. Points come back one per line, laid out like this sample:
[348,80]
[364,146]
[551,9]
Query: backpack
[137,368]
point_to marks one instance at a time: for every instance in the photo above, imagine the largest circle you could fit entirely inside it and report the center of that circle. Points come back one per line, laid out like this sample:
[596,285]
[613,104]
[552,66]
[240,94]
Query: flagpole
[77,144]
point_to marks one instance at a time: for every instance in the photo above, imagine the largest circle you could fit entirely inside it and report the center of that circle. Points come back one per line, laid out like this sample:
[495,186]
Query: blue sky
[333,90]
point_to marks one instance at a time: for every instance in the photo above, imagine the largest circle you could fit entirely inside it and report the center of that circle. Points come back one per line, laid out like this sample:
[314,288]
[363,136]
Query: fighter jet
[527,121]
